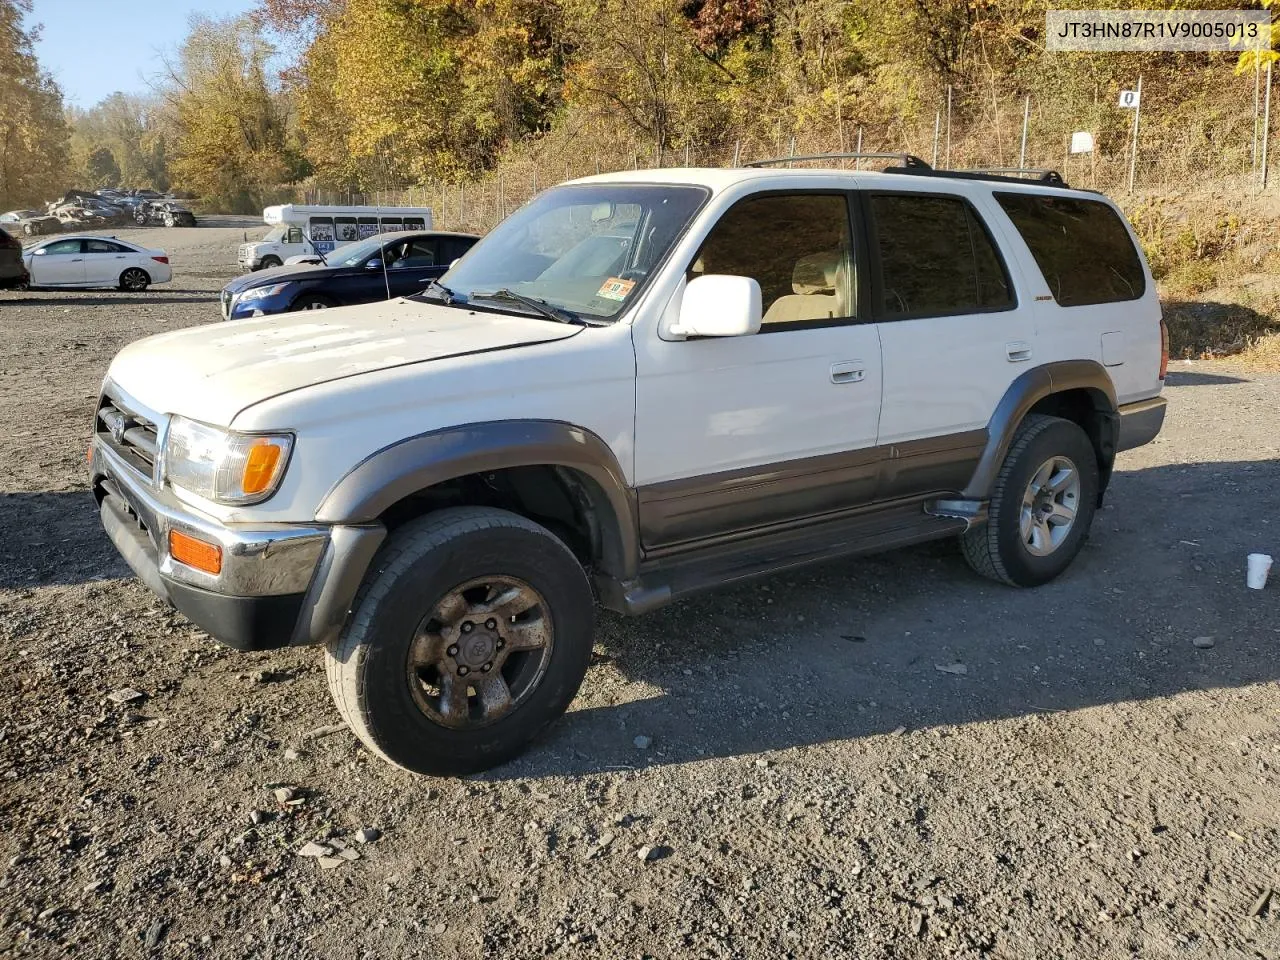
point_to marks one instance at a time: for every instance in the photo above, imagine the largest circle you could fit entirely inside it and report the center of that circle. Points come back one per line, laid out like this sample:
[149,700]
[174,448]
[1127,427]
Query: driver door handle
[848,371]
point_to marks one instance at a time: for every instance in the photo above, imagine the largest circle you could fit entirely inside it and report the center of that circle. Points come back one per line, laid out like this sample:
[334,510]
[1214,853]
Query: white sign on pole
[1082,142]
[1129,99]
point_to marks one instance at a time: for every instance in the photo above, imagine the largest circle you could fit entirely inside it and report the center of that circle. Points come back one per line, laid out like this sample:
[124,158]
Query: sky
[95,47]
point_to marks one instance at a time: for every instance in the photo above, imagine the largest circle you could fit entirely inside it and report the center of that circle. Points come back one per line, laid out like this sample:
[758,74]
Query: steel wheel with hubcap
[134,280]
[1042,506]
[471,633]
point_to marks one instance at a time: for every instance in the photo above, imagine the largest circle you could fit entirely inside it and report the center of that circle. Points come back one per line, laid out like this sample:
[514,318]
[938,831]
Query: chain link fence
[1220,145]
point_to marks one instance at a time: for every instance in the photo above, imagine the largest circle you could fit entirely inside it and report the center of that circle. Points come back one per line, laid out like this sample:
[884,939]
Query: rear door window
[934,258]
[1081,247]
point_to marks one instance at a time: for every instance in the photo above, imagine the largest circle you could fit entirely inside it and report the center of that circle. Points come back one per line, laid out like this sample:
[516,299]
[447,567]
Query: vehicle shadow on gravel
[54,539]
[1186,378]
[862,647]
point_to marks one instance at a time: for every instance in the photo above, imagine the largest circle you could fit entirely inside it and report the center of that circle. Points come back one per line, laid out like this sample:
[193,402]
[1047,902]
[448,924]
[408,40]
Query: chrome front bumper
[280,584]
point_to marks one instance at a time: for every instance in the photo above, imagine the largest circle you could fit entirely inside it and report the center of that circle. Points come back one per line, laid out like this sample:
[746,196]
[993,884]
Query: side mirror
[41,252]
[719,305]
[374,264]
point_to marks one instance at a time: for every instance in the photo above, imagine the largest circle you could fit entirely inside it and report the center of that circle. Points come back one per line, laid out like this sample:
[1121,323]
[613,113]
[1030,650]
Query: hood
[290,271]
[213,372]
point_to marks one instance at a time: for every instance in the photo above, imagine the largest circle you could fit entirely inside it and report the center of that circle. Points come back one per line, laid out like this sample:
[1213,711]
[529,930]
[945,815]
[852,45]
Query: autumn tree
[33,133]
[134,129]
[231,121]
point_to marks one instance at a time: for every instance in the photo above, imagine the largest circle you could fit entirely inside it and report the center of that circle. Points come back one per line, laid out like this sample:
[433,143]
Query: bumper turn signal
[195,553]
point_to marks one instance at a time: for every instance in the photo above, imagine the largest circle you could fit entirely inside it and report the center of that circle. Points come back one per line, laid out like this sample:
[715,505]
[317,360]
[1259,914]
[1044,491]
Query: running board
[662,581]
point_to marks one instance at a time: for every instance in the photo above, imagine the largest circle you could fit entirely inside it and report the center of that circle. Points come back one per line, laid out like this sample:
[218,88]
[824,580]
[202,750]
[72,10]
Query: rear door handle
[1017,351]
[847,371]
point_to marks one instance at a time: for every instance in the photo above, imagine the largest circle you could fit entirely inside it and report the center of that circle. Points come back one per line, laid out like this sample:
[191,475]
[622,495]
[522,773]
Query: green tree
[33,132]
[102,169]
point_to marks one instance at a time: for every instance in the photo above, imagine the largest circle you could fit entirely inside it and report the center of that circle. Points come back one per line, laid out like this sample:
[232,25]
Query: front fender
[416,463]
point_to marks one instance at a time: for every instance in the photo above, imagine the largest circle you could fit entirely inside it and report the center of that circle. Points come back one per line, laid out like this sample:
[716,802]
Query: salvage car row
[78,209]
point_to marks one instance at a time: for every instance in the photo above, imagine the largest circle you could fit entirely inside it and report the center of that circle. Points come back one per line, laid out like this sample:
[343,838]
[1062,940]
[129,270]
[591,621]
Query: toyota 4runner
[639,385]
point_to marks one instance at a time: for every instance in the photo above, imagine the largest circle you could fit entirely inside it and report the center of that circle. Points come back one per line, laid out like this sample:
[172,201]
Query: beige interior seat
[819,284]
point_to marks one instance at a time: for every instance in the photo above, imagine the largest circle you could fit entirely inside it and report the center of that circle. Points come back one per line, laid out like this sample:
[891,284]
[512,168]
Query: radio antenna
[377,206]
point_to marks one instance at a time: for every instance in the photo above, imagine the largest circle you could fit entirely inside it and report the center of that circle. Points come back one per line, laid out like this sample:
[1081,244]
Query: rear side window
[936,258]
[1081,247]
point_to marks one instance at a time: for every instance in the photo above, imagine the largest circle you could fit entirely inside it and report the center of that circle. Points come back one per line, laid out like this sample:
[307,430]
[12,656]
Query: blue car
[396,263]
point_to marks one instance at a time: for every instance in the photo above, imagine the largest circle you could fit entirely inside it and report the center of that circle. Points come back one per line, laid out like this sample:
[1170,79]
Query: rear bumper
[1141,422]
[280,584]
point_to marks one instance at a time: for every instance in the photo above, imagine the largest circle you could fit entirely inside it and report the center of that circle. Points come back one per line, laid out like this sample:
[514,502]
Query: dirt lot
[1082,781]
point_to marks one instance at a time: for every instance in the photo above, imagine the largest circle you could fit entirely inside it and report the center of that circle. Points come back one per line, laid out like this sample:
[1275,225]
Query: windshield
[586,248]
[352,254]
[275,234]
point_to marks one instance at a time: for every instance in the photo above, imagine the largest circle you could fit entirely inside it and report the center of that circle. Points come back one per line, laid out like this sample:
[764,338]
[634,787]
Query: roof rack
[1050,178]
[909,162]
[1043,175]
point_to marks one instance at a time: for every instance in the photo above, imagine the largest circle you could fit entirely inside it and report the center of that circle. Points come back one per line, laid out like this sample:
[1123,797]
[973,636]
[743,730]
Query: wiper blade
[558,314]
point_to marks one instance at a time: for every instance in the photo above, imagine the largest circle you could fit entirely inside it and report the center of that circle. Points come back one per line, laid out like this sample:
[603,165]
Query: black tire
[168,220]
[420,564]
[998,550]
[135,280]
[313,301]
[140,219]
[269,262]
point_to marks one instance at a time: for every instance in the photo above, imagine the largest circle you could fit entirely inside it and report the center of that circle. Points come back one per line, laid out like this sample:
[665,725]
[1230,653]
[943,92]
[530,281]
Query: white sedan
[95,262]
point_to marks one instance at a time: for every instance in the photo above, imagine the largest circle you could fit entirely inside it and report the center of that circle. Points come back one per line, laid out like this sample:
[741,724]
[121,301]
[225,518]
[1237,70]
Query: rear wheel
[1043,504]
[471,633]
[135,280]
[168,220]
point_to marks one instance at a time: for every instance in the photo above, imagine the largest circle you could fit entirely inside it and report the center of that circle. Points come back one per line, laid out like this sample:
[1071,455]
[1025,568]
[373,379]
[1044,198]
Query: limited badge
[615,289]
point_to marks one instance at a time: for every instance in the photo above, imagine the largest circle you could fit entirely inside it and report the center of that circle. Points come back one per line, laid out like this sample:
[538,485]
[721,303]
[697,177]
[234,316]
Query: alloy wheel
[1049,506]
[481,652]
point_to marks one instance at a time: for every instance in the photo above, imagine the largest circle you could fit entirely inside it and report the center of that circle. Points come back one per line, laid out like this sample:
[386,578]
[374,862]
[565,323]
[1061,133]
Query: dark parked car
[29,223]
[13,273]
[353,274]
[169,212]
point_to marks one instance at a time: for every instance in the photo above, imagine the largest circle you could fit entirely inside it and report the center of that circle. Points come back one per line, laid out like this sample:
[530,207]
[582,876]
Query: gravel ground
[876,758]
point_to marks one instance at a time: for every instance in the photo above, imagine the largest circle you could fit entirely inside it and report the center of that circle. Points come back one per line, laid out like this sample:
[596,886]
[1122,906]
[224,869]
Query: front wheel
[1042,507]
[134,280]
[269,262]
[312,301]
[471,633]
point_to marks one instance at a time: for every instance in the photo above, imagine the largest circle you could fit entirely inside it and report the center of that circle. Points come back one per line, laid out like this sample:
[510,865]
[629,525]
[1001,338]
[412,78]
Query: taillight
[1164,348]
[160,259]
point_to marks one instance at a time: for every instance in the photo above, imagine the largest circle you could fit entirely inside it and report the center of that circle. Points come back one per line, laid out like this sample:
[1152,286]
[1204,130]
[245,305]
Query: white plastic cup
[1259,567]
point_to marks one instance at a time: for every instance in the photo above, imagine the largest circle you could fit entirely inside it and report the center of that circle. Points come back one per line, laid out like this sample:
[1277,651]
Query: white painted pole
[1266,125]
[1133,151]
[948,126]
[937,128]
[1026,120]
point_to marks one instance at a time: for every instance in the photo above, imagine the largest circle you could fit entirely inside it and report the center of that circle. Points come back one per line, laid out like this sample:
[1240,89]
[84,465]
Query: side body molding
[413,464]
[1029,389]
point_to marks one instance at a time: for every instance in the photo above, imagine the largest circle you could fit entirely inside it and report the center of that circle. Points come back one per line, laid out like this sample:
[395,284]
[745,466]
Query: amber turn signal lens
[260,466]
[195,553]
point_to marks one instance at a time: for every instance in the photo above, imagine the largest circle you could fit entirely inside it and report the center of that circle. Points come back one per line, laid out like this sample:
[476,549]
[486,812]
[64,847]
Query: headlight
[262,293]
[222,465]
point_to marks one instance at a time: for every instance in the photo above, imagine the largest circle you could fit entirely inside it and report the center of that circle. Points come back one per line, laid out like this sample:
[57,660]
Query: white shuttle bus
[304,231]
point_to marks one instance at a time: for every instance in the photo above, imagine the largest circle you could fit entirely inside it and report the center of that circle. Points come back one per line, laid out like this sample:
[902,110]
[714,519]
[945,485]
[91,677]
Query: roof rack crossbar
[1040,173]
[906,159]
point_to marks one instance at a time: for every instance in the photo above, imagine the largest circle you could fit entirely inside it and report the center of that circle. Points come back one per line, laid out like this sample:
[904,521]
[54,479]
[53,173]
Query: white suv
[637,386]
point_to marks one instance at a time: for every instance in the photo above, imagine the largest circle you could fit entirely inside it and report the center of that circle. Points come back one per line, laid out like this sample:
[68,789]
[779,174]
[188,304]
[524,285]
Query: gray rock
[224,861]
[959,669]
[649,854]
[314,849]
[125,695]
[257,816]
[291,754]
[285,794]
[155,933]
[1202,643]
[48,914]
[368,834]
[349,854]
[328,863]
[439,928]
[642,742]
[95,886]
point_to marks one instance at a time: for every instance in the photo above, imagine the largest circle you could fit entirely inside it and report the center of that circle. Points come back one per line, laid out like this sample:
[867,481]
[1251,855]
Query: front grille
[133,437]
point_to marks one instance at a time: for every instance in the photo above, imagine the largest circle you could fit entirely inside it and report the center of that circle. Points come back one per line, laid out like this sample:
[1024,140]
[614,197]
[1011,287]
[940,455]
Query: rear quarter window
[1081,247]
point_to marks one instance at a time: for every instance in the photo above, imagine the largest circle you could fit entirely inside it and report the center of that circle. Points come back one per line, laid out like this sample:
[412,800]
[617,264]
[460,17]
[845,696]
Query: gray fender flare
[416,463]
[1028,390]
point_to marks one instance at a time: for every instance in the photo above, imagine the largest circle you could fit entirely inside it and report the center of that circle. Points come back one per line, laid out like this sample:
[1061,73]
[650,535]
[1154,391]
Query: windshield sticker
[615,289]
